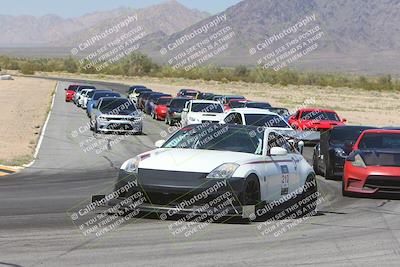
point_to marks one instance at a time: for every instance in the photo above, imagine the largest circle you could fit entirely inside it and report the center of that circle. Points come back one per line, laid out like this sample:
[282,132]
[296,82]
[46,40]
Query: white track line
[43,131]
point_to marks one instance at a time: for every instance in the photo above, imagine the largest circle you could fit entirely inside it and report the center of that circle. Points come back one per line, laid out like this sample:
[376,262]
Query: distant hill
[359,35]
[28,31]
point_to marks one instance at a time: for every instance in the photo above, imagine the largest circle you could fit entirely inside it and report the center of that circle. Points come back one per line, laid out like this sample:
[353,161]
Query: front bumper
[161,115]
[69,97]
[372,181]
[125,126]
[173,193]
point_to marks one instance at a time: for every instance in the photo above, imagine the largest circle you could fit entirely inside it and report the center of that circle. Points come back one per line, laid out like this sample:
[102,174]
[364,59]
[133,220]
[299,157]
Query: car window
[207,107]
[276,140]
[265,120]
[234,118]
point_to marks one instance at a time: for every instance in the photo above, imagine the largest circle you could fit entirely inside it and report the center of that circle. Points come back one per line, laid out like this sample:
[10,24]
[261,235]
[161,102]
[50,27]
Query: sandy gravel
[359,107]
[24,103]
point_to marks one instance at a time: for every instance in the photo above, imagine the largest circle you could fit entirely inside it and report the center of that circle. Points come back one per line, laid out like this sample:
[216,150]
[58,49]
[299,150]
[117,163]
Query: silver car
[116,114]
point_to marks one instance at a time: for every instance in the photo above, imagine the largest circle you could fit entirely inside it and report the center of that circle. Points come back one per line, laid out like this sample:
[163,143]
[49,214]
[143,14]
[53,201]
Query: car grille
[383,183]
[170,187]
[117,126]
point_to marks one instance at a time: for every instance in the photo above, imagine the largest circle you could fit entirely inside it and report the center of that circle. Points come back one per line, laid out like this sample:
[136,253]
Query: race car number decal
[285,180]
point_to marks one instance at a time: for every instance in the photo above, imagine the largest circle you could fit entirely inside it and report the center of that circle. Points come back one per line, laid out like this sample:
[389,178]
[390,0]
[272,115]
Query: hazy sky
[74,8]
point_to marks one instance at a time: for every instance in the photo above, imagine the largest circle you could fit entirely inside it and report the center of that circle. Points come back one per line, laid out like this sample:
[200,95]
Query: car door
[282,169]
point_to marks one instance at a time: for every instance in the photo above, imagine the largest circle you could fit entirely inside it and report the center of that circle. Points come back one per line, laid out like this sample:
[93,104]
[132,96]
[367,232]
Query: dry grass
[24,103]
[358,106]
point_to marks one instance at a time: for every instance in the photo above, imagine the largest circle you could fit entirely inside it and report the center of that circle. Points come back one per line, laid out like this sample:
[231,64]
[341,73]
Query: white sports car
[265,118]
[203,162]
[200,111]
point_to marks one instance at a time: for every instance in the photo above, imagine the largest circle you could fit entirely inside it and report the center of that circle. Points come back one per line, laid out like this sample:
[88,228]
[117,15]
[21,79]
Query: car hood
[192,160]
[300,135]
[322,122]
[120,113]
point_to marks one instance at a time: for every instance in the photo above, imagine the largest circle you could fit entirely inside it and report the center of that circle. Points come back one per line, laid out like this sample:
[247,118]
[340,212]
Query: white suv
[201,111]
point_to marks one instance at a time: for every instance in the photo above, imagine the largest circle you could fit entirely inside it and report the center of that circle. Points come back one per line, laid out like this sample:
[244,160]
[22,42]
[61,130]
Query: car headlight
[358,162]
[223,171]
[131,165]
[102,119]
[340,153]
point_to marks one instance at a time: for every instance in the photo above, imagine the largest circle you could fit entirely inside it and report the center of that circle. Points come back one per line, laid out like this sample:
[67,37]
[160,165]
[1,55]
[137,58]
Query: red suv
[315,119]
[70,92]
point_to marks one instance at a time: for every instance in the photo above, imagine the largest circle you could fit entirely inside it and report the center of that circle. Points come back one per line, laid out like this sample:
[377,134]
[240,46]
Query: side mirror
[185,110]
[159,143]
[65,89]
[278,151]
[344,120]
[300,146]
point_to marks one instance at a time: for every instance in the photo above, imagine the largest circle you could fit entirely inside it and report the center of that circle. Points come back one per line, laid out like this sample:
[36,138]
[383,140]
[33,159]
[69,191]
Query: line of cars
[253,149]
[249,149]
[108,111]
[336,140]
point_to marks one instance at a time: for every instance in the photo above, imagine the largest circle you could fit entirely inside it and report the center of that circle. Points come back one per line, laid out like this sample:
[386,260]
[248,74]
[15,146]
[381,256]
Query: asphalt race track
[36,230]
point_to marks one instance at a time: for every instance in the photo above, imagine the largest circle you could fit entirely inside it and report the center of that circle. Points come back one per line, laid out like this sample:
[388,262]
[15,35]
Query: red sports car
[373,167]
[161,108]
[70,92]
[315,119]
[235,103]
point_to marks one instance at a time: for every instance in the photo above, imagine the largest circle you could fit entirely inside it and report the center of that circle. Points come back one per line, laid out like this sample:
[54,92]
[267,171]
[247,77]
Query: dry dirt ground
[359,107]
[24,103]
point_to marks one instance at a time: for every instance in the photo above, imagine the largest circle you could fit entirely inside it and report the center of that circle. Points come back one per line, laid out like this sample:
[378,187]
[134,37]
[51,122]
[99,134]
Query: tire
[344,193]
[95,129]
[251,193]
[315,165]
[311,205]
[329,175]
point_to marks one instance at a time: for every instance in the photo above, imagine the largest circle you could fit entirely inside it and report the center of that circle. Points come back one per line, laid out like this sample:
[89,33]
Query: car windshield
[319,115]
[85,87]
[190,93]
[178,103]
[379,149]
[90,94]
[218,137]
[163,101]
[73,88]
[207,108]
[229,98]
[97,96]
[341,135]
[380,141]
[146,96]
[117,106]
[237,104]
[265,120]
[258,105]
